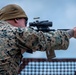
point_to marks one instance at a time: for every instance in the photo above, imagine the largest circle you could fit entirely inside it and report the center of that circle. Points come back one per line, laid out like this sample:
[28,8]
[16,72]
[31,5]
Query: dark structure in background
[34,66]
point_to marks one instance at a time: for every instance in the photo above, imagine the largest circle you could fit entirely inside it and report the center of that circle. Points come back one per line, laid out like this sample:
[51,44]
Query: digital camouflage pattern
[13,42]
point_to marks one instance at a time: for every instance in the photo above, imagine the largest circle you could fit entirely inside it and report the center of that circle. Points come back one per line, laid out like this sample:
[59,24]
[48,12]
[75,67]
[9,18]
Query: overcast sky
[61,12]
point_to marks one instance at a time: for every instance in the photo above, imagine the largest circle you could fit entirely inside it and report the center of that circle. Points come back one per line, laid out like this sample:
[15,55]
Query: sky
[62,13]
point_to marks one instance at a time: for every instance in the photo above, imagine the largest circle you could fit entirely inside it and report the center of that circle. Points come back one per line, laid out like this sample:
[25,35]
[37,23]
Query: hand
[74,32]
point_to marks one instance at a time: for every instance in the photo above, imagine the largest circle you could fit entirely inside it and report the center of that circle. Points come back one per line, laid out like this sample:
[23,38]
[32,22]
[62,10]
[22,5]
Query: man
[16,38]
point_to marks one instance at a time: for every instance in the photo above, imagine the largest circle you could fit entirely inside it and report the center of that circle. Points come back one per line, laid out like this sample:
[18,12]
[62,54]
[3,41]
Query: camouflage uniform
[13,40]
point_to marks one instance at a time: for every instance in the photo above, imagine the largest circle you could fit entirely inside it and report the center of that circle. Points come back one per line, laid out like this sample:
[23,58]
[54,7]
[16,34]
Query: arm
[29,39]
[43,41]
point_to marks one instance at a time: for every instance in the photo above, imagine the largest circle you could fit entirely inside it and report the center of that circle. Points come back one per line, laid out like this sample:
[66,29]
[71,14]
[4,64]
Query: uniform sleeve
[43,41]
[29,40]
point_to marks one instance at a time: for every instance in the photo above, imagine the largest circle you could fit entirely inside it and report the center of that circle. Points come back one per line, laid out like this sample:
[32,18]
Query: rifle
[44,26]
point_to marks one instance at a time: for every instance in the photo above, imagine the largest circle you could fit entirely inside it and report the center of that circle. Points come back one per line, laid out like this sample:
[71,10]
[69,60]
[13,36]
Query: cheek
[22,24]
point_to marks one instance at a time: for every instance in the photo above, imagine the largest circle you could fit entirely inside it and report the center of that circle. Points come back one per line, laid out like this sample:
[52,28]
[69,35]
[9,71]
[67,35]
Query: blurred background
[61,12]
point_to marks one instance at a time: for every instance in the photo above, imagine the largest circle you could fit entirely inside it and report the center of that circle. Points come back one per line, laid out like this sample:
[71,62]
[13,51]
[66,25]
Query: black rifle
[45,27]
